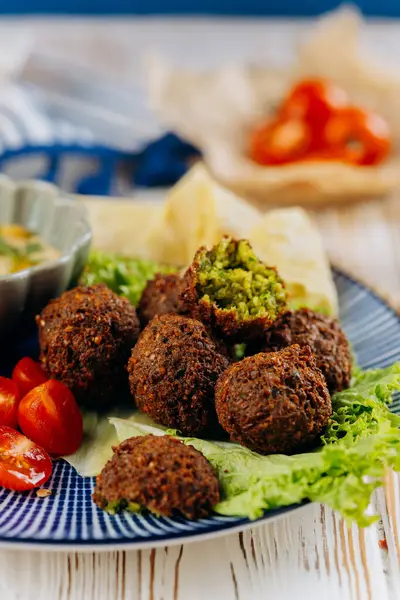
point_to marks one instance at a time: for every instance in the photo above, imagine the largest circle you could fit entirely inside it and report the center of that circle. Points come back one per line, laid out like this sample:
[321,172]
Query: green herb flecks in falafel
[117,506]
[231,276]
[231,290]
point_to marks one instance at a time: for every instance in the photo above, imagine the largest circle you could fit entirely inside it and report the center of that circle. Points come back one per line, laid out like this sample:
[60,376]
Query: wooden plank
[311,550]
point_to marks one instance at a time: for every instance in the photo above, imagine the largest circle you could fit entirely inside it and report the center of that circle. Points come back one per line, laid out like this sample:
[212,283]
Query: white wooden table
[310,554]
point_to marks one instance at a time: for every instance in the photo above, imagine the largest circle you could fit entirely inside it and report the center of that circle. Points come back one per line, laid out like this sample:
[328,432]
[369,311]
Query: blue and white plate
[69,519]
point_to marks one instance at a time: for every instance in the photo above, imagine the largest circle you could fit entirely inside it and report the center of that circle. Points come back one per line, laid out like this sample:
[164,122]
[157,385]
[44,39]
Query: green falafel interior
[361,441]
[231,276]
[127,276]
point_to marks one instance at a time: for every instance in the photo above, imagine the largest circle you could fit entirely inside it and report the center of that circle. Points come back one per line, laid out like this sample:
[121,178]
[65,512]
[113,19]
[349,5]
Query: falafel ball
[85,337]
[160,297]
[173,371]
[325,338]
[275,403]
[159,473]
[232,291]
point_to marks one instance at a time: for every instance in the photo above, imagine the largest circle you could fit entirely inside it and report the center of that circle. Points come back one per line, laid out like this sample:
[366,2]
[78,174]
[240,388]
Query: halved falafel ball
[160,474]
[173,371]
[86,336]
[275,403]
[325,338]
[160,297]
[232,291]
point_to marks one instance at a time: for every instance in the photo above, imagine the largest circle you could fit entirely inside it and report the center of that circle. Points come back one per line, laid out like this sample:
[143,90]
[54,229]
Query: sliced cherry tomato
[362,136]
[28,374]
[279,142]
[50,416]
[314,101]
[325,155]
[9,398]
[23,464]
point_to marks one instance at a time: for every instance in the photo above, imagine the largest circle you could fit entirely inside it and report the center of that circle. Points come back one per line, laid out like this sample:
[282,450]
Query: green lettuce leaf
[96,447]
[361,410]
[125,276]
[101,433]
[340,476]
[360,442]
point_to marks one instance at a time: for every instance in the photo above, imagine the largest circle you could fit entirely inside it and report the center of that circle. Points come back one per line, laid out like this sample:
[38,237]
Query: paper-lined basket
[216,110]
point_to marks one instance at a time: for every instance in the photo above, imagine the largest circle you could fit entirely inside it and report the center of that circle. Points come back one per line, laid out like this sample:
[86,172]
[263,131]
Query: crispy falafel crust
[160,474]
[160,297]
[325,338]
[173,370]
[86,336]
[224,321]
[275,403]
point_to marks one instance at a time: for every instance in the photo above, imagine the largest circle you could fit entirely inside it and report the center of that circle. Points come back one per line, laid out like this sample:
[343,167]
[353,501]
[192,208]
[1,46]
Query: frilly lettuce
[360,442]
[125,276]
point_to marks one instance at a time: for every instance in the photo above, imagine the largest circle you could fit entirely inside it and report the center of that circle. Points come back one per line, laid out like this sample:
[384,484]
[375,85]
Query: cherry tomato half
[325,155]
[50,416]
[363,136]
[28,374]
[23,464]
[9,398]
[314,101]
[279,142]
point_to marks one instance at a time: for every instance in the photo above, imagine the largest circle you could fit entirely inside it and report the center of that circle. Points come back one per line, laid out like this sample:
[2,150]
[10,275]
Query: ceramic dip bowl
[59,221]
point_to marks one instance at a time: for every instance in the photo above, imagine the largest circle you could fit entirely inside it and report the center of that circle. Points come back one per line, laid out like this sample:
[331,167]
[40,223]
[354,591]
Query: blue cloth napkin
[164,161]
[32,144]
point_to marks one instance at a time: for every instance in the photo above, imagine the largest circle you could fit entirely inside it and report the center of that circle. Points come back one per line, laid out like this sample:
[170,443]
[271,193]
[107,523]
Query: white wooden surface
[310,554]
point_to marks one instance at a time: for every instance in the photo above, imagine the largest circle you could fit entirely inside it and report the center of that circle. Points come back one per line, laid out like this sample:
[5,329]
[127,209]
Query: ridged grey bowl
[61,221]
